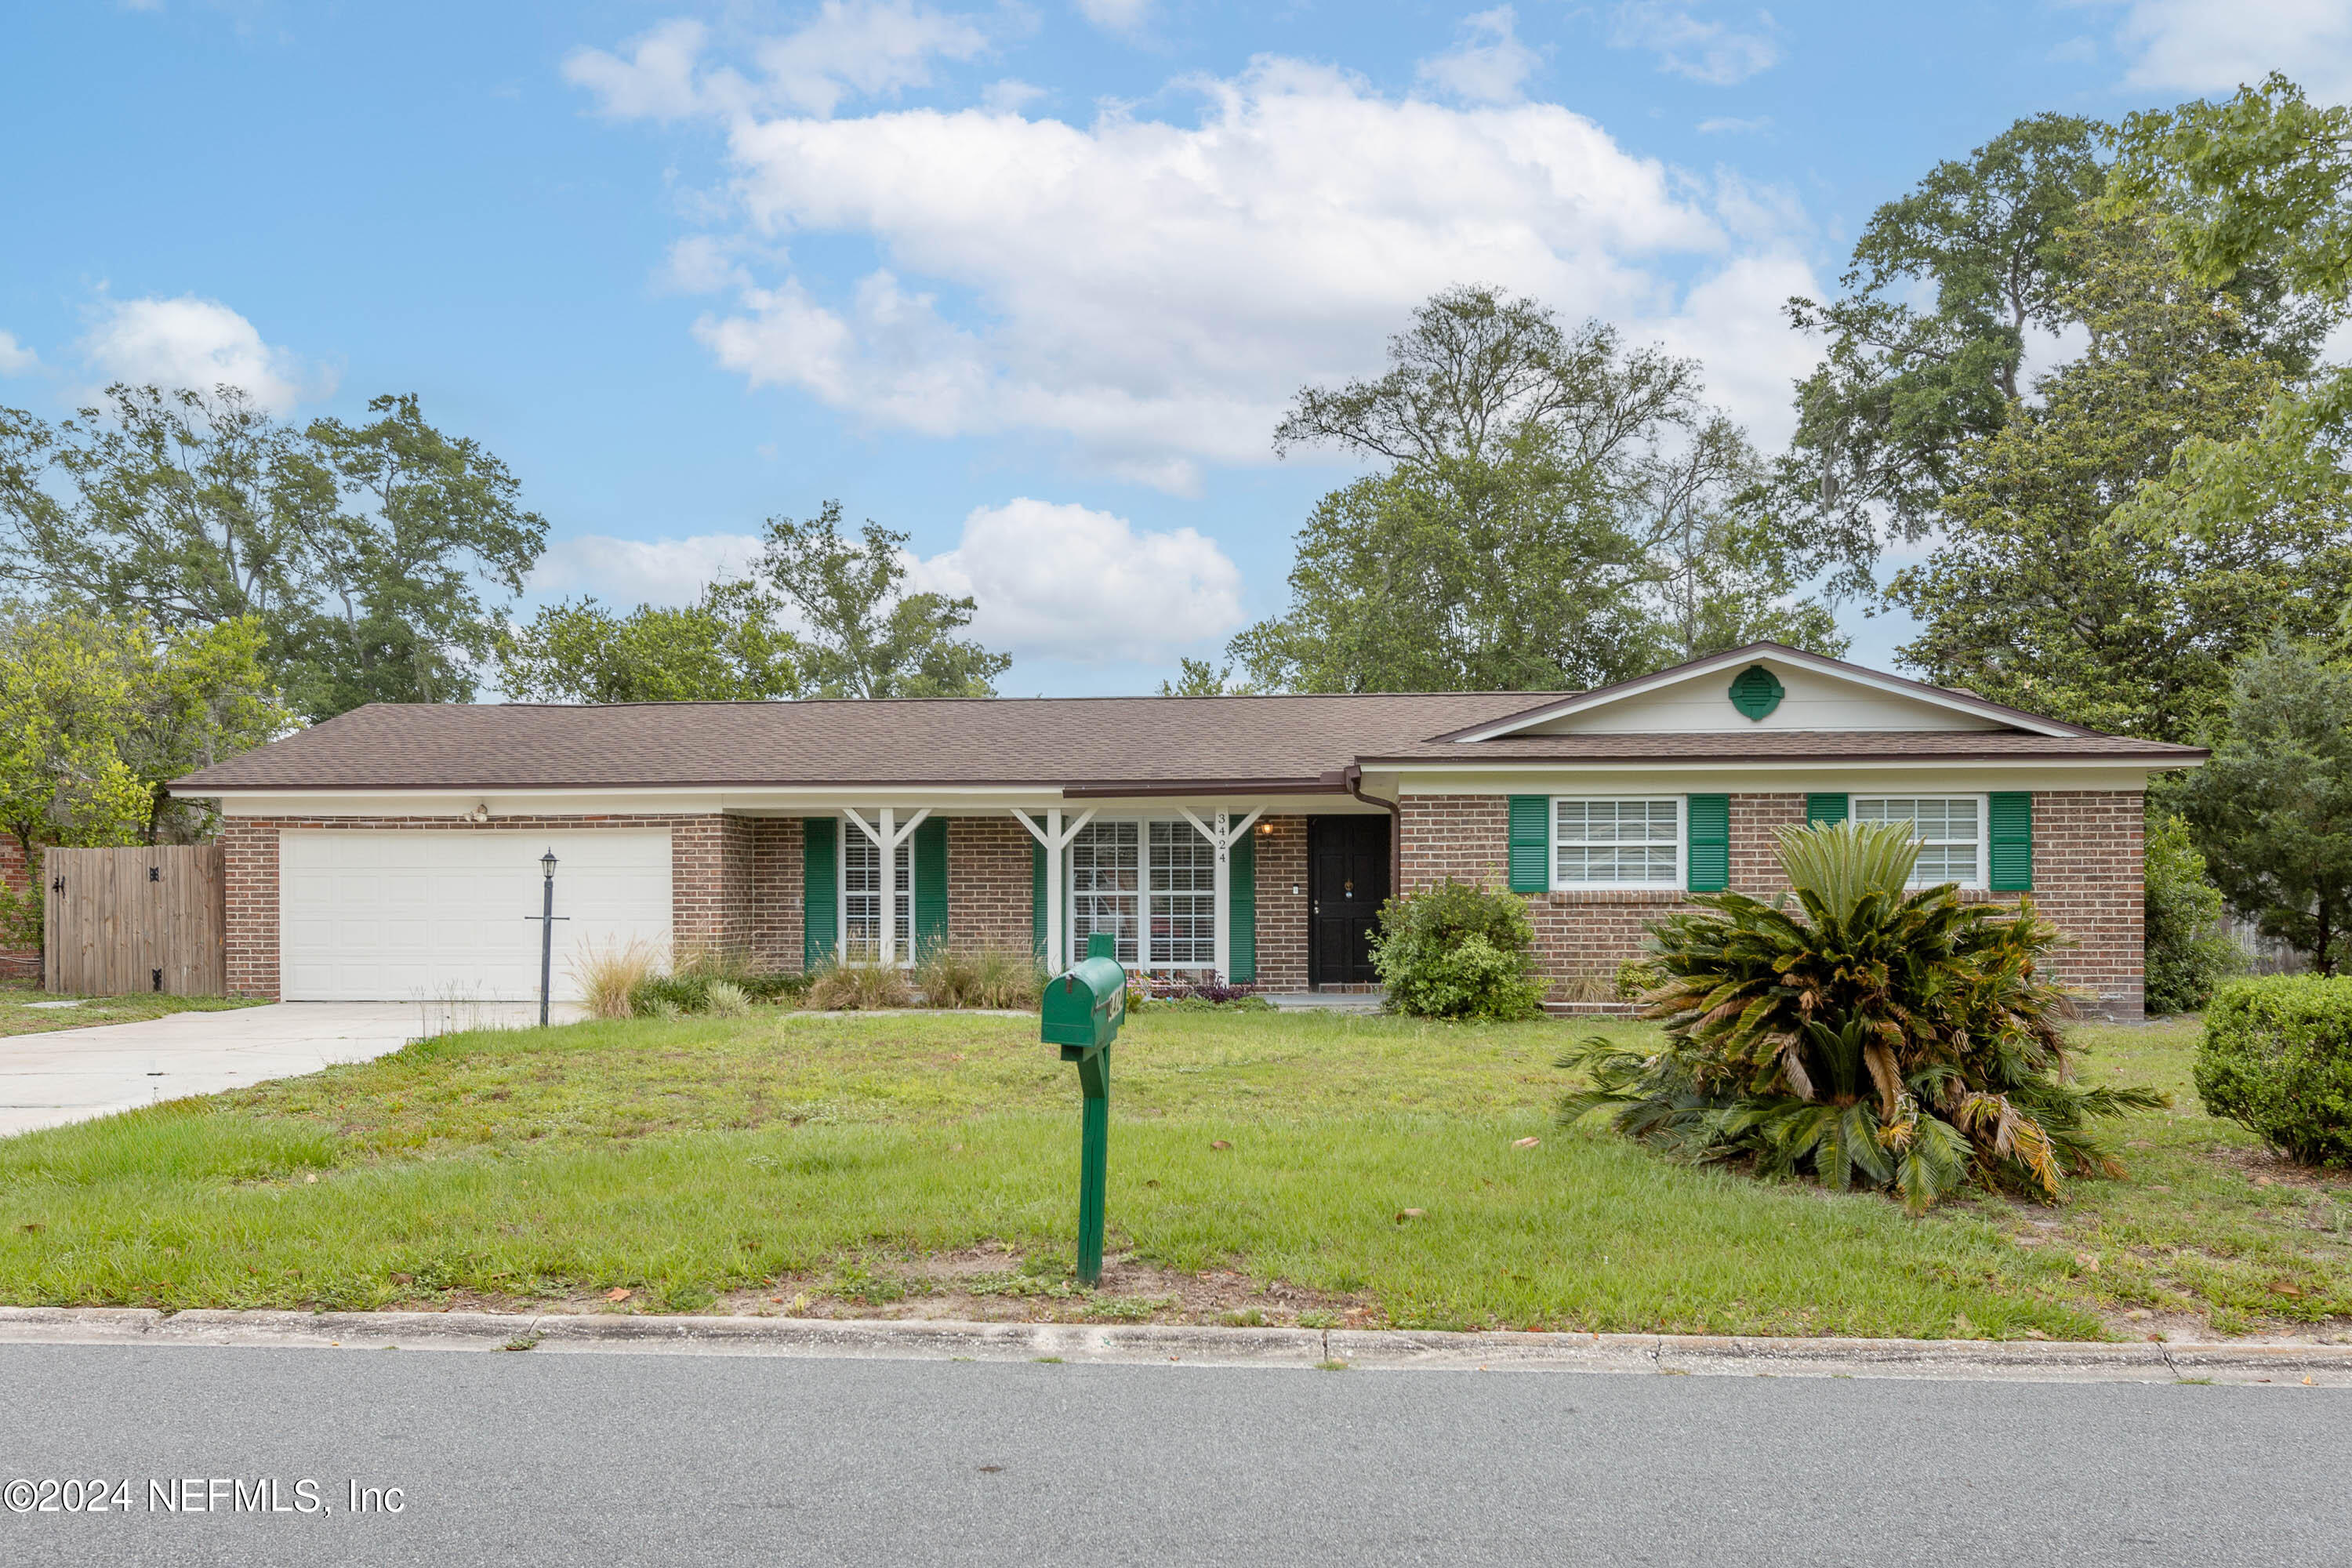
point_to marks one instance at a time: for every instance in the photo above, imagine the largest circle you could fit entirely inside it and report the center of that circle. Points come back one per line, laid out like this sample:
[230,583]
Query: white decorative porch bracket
[1221,838]
[1054,838]
[887,835]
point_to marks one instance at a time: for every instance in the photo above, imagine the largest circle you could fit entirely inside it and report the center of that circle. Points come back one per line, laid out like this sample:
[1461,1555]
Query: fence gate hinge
[158,978]
[154,873]
[58,886]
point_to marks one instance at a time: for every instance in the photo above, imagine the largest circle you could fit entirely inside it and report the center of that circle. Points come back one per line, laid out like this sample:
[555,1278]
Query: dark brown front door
[1346,880]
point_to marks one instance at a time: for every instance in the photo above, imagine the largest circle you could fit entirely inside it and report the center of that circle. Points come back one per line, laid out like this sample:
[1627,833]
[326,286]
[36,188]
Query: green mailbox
[1081,1012]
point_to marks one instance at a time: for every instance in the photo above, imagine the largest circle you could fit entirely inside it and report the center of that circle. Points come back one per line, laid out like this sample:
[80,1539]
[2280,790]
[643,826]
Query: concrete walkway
[71,1074]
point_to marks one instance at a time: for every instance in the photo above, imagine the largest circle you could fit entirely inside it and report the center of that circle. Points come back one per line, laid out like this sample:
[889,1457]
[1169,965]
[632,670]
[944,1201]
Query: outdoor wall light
[1266,830]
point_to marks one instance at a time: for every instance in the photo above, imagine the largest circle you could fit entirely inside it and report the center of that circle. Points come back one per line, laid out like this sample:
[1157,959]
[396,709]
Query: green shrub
[1459,951]
[1637,977]
[1900,1039]
[688,987]
[2187,953]
[2277,1059]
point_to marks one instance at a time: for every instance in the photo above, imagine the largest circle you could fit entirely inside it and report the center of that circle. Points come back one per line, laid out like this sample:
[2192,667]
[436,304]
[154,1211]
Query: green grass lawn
[20,1013]
[1262,1169]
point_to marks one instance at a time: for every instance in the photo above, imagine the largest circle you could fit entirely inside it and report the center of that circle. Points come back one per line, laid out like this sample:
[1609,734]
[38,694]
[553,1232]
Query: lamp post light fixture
[546,917]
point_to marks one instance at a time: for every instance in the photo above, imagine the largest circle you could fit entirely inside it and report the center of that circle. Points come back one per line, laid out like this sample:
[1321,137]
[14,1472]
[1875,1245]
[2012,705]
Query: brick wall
[1281,904]
[2087,853]
[776,870]
[991,884]
[17,963]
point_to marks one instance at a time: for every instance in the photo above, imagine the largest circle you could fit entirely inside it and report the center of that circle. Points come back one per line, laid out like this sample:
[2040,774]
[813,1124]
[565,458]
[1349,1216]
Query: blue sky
[1028,281]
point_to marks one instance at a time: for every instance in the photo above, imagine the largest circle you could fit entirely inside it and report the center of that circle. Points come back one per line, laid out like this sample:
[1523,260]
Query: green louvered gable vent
[2009,817]
[930,885]
[1530,842]
[1241,911]
[820,889]
[1708,857]
[1826,810]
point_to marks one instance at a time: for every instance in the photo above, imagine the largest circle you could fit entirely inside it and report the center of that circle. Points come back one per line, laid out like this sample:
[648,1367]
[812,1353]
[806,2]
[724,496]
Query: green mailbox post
[1081,1012]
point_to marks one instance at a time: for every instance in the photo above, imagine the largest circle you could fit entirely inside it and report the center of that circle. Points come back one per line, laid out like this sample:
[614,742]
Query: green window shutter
[820,889]
[1241,909]
[1530,842]
[1825,810]
[930,885]
[2010,814]
[1037,900]
[1709,859]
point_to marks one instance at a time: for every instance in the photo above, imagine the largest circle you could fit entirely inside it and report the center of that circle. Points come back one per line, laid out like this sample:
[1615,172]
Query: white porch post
[1054,838]
[886,838]
[1220,839]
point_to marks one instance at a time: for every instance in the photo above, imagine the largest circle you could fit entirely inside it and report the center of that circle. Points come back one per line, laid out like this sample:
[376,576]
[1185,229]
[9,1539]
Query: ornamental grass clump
[1900,1040]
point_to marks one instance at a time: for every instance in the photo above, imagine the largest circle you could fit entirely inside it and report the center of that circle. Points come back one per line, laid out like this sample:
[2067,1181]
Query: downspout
[1354,779]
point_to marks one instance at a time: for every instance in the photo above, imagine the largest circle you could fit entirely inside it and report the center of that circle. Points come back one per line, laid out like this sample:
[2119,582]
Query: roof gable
[1813,693]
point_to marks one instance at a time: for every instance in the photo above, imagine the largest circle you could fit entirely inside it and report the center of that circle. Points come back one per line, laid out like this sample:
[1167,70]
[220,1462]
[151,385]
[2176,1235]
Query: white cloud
[16,359]
[2213,45]
[1708,51]
[201,343]
[1009,96]
[1065,582]
[1489,65]
[637,570]
[1733,322]
[1051,580]
[1154,292]
[1722,125]
[1117,16]
[848,48]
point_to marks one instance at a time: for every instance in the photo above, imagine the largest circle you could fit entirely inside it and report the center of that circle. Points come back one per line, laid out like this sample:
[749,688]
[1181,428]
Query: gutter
[1354,779]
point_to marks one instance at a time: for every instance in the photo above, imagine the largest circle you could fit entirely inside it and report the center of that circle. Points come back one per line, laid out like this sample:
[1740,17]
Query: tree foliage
[1551,510]
[2252,191]
[2272,809]
[2185,952]
[726,648]
[366,552]
[866,636]
[1905,1040]
[2048,591]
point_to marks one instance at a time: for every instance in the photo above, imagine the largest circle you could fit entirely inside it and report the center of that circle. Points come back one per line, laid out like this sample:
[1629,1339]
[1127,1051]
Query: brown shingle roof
[1051,741]
[1267,742]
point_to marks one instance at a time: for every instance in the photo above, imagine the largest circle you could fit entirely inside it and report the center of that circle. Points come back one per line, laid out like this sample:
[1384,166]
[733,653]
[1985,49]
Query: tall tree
[2255,194]
[726,648]
[2047,592]
[367,551]
[1536,511]
[2272,809]
[867,635]
[1904,383]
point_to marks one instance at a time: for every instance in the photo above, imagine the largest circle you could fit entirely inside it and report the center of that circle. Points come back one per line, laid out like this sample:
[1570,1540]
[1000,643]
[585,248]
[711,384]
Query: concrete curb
[1154,1344]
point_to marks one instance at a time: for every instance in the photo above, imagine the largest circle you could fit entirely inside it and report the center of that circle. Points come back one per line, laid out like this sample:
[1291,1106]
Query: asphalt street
[628,1459]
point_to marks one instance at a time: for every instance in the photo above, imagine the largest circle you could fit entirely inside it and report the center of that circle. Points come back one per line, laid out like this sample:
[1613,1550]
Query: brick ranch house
[394,852]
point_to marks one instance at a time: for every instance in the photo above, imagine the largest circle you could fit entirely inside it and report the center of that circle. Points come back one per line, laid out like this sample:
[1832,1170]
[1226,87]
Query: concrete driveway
[71,1074]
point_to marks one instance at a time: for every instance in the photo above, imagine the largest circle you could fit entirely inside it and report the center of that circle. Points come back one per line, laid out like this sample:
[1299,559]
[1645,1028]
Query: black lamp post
[546,934]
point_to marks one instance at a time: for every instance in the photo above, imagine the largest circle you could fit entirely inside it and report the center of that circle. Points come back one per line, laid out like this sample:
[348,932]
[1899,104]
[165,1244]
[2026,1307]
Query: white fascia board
[1751,778]
[606,801]
[1834,670]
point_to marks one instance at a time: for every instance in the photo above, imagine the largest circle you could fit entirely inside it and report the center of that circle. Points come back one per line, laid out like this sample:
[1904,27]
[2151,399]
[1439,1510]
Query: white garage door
[397,916]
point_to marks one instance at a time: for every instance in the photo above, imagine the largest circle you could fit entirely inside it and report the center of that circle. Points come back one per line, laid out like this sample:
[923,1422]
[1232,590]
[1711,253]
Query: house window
[861,898]
[1107,884]
[1152,886]
[1617,843]
[1951,830]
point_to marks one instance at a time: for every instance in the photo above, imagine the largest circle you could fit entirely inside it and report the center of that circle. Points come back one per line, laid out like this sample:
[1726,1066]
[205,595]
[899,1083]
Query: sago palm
[1900,1039]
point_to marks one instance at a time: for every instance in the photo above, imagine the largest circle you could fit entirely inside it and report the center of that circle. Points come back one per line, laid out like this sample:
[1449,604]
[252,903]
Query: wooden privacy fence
[138,919]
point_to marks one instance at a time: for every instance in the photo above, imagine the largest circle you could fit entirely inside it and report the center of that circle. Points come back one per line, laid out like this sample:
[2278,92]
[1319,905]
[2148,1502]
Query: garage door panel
[396,916]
